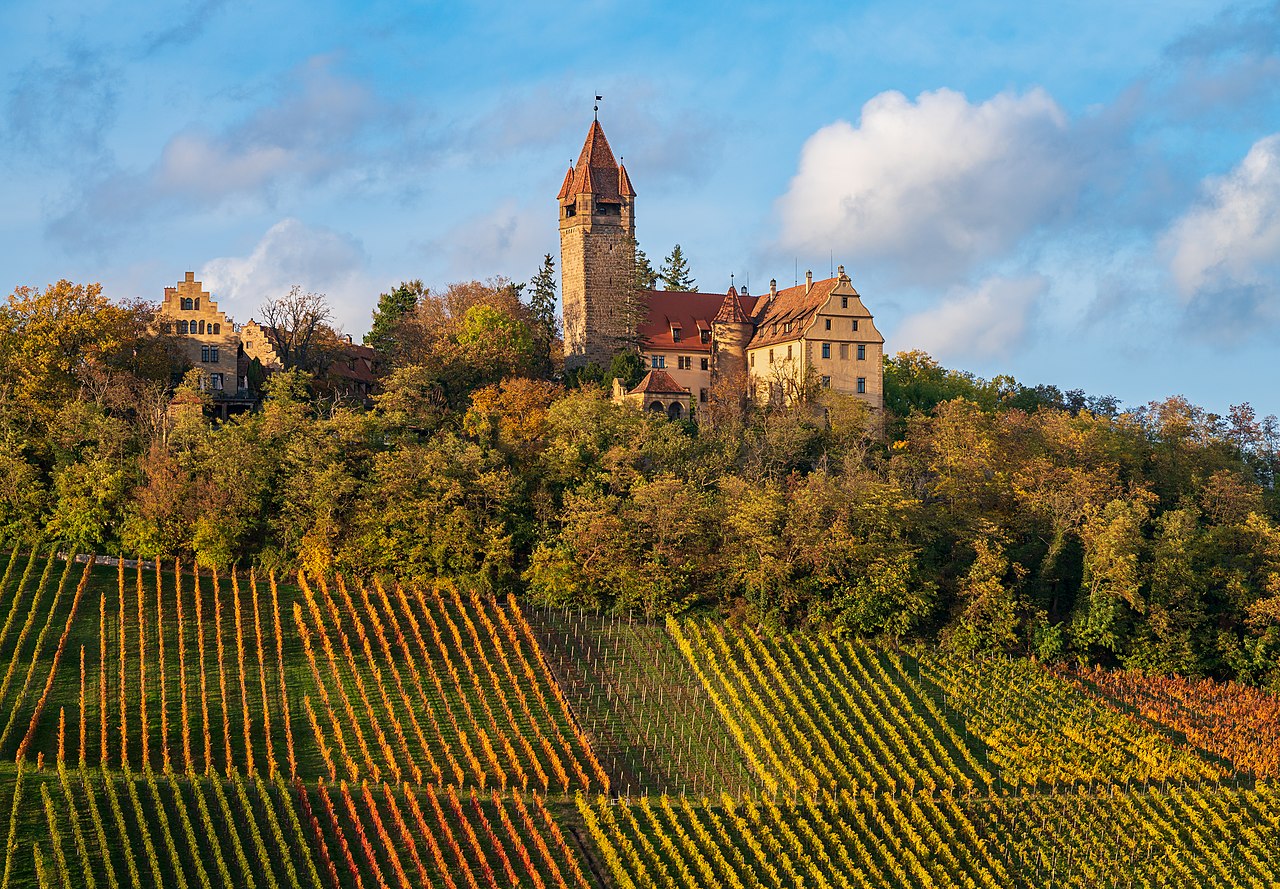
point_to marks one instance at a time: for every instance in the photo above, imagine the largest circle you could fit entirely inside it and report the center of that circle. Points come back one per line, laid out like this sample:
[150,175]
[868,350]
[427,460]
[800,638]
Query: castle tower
[597,254]
[731,331]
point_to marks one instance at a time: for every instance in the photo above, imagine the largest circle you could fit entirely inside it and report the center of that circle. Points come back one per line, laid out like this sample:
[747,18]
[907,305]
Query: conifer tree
[542,298]
[392,309]
[645,274]
[675,273]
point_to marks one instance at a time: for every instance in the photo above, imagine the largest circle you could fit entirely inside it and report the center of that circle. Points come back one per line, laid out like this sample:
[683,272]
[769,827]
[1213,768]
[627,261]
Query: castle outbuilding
[779,344]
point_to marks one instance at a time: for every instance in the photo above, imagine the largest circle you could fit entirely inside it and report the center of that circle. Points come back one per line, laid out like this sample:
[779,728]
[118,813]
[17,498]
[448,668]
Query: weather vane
[596,107]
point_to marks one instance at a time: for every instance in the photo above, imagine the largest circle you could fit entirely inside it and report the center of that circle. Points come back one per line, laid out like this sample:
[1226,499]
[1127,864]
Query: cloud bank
[933,186]
[1224,252]
[988,321]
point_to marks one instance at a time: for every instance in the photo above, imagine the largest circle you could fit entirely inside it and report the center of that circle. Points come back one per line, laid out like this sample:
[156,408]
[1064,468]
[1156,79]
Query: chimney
[808,280]
[773,287]
[191,276]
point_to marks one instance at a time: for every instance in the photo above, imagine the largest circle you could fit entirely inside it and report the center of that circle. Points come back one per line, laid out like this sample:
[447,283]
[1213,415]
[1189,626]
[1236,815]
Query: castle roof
[658,382]
[731,309]
[689,313]
[596,172]
[786,315]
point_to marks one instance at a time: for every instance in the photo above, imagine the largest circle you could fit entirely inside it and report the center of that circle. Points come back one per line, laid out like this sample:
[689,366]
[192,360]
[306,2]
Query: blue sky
[1082,194]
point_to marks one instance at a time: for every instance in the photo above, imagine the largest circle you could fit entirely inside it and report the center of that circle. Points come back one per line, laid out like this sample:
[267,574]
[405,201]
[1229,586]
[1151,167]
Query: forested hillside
[987,515]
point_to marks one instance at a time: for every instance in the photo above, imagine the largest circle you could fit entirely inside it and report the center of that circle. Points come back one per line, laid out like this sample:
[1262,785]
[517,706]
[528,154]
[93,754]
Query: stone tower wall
[596,272]
[729,351]
[198,335]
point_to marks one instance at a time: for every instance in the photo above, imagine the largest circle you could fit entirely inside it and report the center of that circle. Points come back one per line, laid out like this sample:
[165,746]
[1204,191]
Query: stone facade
[597,255]
[207,337]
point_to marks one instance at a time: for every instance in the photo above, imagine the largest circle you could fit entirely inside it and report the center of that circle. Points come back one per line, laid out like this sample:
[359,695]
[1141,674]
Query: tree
[542,299]
[392,309]
[675,272]
[301,334]
[645,273]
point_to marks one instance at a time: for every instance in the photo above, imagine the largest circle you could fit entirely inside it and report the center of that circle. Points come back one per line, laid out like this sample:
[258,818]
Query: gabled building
[819,333]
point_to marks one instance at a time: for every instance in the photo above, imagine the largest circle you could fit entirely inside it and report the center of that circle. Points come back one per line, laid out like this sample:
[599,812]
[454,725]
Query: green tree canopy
[675,274]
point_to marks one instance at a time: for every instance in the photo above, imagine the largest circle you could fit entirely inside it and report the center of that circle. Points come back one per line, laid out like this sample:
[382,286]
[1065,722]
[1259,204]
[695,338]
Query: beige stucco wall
[693,380]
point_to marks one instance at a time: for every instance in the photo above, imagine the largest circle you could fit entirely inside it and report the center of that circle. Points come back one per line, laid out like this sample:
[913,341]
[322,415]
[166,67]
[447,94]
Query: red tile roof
[686,311]
[658,382]
[792,306]
[597,172]
[731,310]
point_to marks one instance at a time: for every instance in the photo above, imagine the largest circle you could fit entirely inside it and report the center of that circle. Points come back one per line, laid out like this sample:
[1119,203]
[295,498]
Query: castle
[698,346]
[225,352]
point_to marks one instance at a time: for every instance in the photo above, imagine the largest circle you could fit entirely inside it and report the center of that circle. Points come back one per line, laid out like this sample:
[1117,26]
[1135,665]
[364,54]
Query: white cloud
[933,186]
[317,259]
[985,322]
[1224,252]
[320,127]
[509,240]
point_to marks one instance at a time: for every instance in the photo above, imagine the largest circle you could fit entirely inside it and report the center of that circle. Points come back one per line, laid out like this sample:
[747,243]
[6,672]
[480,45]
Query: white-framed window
[685,362]
[658,361]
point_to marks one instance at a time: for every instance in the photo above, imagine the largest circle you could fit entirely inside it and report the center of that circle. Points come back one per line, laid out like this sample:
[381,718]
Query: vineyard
[161,726]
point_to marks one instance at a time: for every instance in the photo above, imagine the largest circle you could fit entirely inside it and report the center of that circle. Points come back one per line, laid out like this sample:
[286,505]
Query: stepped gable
[732,310]
[658,382]
[795,306]
[690,313]
[597,172]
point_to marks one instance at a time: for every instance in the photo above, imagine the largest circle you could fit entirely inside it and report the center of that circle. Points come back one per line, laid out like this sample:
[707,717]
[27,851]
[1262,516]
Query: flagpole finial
[596,108]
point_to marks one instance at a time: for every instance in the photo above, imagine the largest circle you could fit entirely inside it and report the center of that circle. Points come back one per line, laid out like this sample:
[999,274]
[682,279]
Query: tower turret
[731,331]
[597,254]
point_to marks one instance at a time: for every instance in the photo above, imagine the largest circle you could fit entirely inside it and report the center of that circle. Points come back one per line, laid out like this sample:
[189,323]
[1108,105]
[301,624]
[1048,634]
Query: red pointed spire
[731,311]
[564,187]
[597,172]
[624,183]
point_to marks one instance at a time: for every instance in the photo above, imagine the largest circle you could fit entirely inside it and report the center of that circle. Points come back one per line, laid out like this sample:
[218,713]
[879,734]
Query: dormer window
[675,334]
[786,328]
[705,335]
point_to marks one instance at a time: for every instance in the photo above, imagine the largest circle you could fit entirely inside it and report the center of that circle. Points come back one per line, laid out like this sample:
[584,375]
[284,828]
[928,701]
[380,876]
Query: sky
[1083,194]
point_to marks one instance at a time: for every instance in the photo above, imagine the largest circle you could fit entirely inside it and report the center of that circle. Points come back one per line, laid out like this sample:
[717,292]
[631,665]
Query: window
[826,382]
[862,385]
[844,302]
[855,323]
[197,304]
[705,336]
[771,356]
[844,351]
[675,334]
[704,363]
[217,329]
[202,327]
[826,350]
[702,395]
[684,362]
[788,351]
[862,352]
[828,324]
[658,361]
[204,353]
[182,327]
[187,304]
[753,360]
[215,382]
[213,354]
[786,328]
